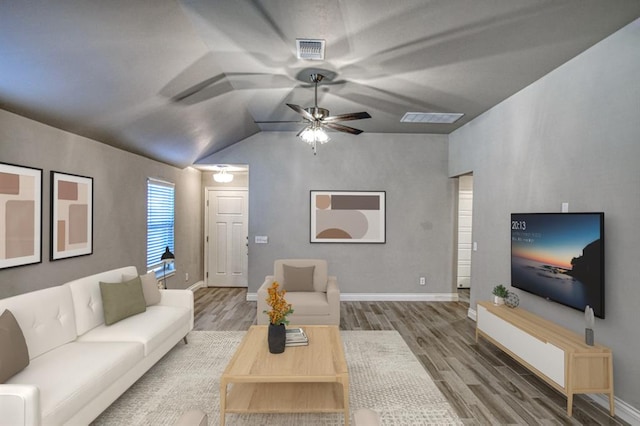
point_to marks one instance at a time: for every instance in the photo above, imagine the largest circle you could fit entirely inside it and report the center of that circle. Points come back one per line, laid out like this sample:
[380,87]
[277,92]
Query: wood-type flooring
[484,385]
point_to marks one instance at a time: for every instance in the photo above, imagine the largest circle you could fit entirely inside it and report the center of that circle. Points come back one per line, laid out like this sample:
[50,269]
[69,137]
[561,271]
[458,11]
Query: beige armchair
[314,296]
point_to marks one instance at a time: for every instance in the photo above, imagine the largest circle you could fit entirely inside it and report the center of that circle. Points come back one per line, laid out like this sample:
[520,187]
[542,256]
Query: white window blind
[160,220]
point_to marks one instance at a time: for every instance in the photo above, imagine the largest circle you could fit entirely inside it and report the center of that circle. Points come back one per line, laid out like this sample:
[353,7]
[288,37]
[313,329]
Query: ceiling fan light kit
[313,135]
[319,118]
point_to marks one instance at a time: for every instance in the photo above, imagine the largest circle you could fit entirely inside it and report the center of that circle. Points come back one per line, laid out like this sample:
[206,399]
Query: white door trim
[207,189]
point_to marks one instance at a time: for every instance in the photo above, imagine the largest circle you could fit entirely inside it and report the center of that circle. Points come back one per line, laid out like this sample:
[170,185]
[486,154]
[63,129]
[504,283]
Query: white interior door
[465,216]
[227,238]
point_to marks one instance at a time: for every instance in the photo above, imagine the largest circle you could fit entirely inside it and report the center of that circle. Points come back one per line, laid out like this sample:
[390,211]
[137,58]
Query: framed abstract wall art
[20,215]
[348,217]
[71,215]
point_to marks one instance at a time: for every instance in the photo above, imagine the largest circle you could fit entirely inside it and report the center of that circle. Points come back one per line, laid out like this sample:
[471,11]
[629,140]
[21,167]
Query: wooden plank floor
[484,385]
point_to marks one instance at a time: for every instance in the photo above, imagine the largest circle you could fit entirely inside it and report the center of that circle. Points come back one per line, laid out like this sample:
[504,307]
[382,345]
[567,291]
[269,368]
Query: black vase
[277,337]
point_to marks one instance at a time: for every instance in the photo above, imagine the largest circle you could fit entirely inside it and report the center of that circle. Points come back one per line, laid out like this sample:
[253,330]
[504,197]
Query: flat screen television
[560,256]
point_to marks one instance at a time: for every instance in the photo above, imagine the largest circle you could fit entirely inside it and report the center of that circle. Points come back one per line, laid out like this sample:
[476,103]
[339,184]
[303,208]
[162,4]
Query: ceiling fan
[319,118]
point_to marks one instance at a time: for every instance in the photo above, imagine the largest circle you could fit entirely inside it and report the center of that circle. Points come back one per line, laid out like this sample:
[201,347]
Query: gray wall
[412,169]
[573,136]
[119,227]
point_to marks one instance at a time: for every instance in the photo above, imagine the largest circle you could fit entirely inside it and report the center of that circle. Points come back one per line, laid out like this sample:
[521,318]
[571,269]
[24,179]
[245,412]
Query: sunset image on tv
[559,256]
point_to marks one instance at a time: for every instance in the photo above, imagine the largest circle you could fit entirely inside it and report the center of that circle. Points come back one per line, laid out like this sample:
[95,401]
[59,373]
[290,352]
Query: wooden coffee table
[303,379]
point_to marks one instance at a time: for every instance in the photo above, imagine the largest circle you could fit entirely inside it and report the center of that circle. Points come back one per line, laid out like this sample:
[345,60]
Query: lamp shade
[167,256]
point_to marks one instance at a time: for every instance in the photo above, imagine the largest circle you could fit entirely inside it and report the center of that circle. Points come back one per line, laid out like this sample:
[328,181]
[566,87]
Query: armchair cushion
[308,303]
[319,273]
[298,278]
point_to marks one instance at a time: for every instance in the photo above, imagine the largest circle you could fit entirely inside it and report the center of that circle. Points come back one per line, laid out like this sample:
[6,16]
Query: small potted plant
[277,318]
[499,294]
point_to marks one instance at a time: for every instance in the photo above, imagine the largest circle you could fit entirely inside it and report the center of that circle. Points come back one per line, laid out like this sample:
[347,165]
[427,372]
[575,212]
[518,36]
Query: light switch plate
[262,239]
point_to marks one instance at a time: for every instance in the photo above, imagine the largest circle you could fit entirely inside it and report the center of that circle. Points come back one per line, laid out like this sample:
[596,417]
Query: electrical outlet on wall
[186,276]
[423,281]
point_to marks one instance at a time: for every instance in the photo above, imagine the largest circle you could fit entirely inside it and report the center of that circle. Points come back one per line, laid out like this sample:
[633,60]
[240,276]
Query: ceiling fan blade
[342,128]
[197,88]
[326,83]
[346,117]
[301,111]
[277,121]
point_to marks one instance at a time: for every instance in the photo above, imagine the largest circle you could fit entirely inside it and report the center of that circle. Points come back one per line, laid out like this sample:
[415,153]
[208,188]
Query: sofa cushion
[14,354]
[122,300]
[150,329]
[71,376]
[150,288]
[87,302]
[298,278]
[311,303]
[46,318]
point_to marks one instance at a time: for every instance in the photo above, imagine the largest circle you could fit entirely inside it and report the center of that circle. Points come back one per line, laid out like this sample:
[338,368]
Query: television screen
[560,256]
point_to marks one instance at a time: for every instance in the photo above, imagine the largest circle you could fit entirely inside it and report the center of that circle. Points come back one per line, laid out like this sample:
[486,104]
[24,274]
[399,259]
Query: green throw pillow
[298,279]
[150,288]
[122,300]
[14,355]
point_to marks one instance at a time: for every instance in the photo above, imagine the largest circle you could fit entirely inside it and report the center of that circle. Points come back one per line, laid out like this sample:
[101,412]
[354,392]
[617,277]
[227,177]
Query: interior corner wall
[412,169]
[573,136]
[119,209]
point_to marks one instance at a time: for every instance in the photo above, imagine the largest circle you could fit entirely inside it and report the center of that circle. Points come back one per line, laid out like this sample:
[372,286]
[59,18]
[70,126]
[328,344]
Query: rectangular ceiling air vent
[310,49]
[431,117]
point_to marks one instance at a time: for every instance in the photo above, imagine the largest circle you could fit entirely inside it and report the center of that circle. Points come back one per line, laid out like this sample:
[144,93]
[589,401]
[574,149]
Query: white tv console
[556,355]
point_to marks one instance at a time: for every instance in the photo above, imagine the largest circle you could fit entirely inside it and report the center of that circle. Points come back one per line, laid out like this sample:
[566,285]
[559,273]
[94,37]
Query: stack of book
[296,337]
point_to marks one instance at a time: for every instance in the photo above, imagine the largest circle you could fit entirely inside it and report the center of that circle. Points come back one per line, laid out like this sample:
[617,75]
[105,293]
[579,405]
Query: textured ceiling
[178,81]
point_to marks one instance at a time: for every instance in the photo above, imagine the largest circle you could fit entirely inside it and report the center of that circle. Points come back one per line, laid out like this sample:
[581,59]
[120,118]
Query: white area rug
[384,376]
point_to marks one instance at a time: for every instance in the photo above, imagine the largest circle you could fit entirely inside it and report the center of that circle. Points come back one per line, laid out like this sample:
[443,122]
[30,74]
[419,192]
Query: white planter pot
[498,300]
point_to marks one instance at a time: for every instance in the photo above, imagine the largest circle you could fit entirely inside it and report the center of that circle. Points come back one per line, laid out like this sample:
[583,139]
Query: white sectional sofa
[78,365]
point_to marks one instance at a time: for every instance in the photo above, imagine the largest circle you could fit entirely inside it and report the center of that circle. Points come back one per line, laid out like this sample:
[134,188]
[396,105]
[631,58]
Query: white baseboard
[194,287]
[387,297]
[399,297]
[625,411]
[471,313]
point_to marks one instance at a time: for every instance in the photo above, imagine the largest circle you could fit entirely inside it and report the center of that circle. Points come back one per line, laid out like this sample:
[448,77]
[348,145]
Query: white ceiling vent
[431,117]
[310,49]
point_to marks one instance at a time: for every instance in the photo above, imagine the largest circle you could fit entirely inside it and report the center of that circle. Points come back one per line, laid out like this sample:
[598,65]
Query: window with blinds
[160,221]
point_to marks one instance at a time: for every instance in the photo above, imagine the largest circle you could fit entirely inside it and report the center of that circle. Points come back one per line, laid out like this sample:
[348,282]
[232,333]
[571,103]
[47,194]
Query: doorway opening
[226,213]
[464,233]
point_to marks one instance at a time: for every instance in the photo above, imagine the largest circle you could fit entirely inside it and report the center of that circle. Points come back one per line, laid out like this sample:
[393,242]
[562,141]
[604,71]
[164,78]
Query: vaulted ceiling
[177,81]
